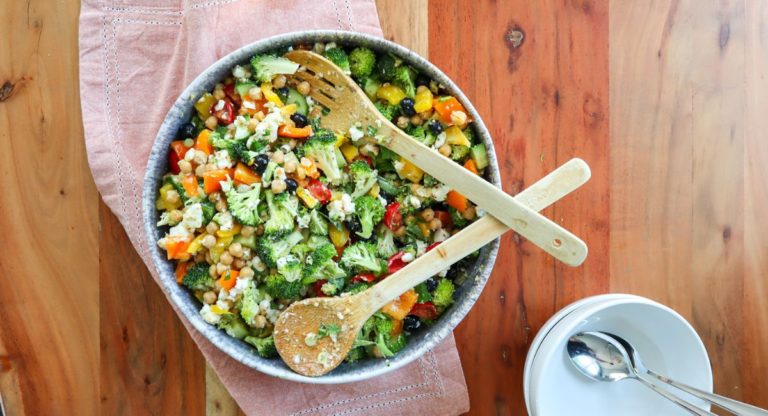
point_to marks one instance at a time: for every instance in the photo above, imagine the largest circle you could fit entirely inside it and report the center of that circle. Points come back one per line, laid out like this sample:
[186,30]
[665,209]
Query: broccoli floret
[243,205]
[330,288]
[385,67]
[321,147]
[301,251]
[361,62]
[443,294]
[289,267]
[280,288]
[430,181]
[318,225]
[240,151]
[362,257]
[385,242]
[265,347]
[421,134]
[282,209]
[267,66]
[387,110]
[459,152]
[270,249]
[423,291]
[233,325]
[363,176]
[320,265]
[198,277]
[404,78]
[316,241]
[457,219]
[370,212]
[396,344]
[357,288]
[209,210]
[355,354]
[338,57]
[249,306]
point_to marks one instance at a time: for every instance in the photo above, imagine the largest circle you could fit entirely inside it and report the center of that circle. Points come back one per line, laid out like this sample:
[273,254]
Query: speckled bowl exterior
[421,341]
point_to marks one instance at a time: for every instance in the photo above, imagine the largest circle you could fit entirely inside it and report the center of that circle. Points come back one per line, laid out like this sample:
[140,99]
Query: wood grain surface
[664,99]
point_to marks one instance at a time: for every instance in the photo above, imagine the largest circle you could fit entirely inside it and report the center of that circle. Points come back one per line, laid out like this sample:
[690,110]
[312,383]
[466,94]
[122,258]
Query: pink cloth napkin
[136,56]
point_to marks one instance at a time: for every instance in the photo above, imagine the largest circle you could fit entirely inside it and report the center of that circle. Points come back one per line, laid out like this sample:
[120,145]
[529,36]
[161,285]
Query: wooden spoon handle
[538,196]
[539,230]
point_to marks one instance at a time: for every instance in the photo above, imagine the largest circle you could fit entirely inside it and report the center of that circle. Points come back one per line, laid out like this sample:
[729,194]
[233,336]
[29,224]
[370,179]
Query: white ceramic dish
[667,342]
[547,327]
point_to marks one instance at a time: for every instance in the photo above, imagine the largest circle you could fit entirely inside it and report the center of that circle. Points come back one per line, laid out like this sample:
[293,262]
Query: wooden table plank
[48,251]
[544,101]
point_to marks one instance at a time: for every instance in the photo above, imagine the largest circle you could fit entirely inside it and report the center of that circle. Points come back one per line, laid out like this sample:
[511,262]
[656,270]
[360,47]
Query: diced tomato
[294,132]
[424,310]
[445,219]
[433,245]
[319,191]
[173,162]
[365,159]
[395,262]
[318,288]
[363,277]
[229,90]
[226,114]
[393,218]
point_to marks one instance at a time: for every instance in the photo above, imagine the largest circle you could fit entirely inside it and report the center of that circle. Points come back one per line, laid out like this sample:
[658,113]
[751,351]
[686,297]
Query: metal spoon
[602,358]
[734,406]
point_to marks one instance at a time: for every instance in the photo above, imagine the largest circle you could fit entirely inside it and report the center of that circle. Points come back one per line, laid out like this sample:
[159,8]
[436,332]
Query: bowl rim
[237,349]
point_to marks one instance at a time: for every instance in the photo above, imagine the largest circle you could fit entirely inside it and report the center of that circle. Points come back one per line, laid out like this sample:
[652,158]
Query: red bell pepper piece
[318,288]
[363,277]
[445,219]
[393,218]
[424,310]
[229,90]
[395,262]
[366,159]
[319,191]
[173,162]
[226,114]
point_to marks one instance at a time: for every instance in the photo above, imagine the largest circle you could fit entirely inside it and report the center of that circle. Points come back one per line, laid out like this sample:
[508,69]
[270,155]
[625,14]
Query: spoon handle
[671,397]
[734,406]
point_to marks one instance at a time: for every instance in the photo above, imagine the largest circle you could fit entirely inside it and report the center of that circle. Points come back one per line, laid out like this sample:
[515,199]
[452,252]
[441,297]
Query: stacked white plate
[665,340]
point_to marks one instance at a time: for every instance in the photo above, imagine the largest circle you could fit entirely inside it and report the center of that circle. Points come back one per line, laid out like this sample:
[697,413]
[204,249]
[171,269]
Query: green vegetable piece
[282,210]
[443,295]
[320,265]
[244,206]
[280,288]
[265,347]
[318,225]
[404,77]
[423,292]
[389,111]
[479,155]
[361,62]
[459,152]
[270,249]
[295,97]
[362,257]
[233,326]
[321,147]
[242,88]
[198,277]
[371,86]
[338,57]
[267,66]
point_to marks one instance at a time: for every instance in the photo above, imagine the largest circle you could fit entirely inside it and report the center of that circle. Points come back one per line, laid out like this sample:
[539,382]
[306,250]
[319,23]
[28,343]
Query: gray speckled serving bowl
[419,342]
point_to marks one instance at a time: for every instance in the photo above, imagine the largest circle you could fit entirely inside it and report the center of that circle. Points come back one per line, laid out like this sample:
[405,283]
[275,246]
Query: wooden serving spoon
[297,327]
[349,107]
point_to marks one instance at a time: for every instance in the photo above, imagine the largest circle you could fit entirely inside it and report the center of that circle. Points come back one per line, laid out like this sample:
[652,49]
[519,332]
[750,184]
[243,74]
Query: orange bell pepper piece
[176,247]
[189,182]
[399,308]
[245,175]
[456,200]
[203,142]
[397,328]
[294,132]
[471,166]
[228,279]
[213,178]
[181,270]
[447,105]
[179,148]
[251,107]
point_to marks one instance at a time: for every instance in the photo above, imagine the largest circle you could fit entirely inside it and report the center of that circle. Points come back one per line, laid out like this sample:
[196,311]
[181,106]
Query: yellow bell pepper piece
[162,204]
[423,101]
[218,310]
[204,104]
[289,109]
[340,140]
[195,245]
[374,192]
[339,236]
[218,249]
[392,93]
[350,152]
[229,233]
[271,96]
[309,200]
[410,171]
[454,135]
[424,229]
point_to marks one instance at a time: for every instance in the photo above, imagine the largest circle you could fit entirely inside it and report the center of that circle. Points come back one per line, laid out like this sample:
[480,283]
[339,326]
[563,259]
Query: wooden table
[664,99]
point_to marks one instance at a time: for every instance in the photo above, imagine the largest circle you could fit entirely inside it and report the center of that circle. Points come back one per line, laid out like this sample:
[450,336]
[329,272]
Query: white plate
[667,343]
[548,327]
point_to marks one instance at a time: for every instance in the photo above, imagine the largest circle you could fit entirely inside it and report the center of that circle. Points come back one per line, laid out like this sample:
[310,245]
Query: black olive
[283,93]
[186,131]
[435,126]
[291,185]
[406,107]
[453,272]
[353,225]
[431,284]
[440,206]
[411,323]
[299,120]
[260,164]
[422,79]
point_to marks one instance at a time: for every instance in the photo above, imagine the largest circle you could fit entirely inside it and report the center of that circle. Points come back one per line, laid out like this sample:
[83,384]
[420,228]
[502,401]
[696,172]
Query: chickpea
[219,94]
[212,270]
[201,169]
[172,197]
[255,93]
[470,213]
[416,120]
[400,232]
[236,249]
[208,241]
[421,88]
[209,297]
[246,272]
[239,263]
[279,81]
[278,186]
[200,159]
[252,123]
[259,266]
[318,48]
[185,166]
[435,224]
[211,123]
[260,321]
[260,229]
[303,88]
[445,150]
[301,173]
[221,268]
[226,259]
[176,216]
[315,112]
[292,143]
[426,114]
[290,166]
[209,260]
[278,156]
[211,228]
[247,231]
[427,214]
[402,122]
[221,206]
[459,118]
[215,196]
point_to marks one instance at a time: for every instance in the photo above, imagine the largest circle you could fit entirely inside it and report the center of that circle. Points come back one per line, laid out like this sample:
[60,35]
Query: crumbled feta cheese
[440,140]
[190,155]
[209,316]
[241,128]
[240,286]
[440,235]
[439,193]
[224,219]
[423,191]
[398,165]
[415,202]
[310,339]
[219,105]
[304,220]
[296,359]
[221,159]
[241,73]
[340,208]
[179,231]
[407,258]
[310,101]
[480,212]
[223,304]
[355,133]
[330,45]
[324,358]
[282,261]
[267,128]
